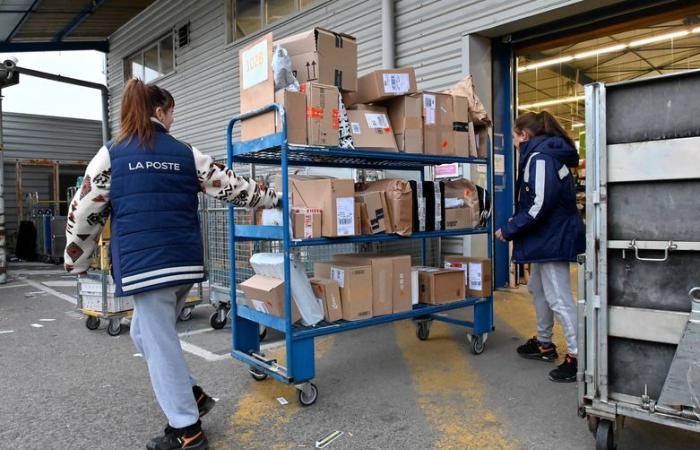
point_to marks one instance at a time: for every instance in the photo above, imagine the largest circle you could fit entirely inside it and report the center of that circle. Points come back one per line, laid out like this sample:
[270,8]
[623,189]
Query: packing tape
[314,113]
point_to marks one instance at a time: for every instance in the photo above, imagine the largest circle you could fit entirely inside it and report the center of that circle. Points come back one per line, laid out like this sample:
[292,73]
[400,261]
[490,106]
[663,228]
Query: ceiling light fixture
[578,125]
[659,38]
[558,101]
[548,62]
[600,51]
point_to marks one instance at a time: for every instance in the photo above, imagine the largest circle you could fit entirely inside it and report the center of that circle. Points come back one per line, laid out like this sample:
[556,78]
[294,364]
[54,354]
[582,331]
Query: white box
[91,294]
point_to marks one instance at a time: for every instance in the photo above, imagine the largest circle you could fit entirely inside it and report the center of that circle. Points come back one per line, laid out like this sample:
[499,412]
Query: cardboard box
[382,280]
[257,86]
[328,293]
[399,201]
[384,84]
[306,223]
[322,114]
[456,218]
[355,282]
[461,263]
[323,56]
[373,219]
[440,286]
[266,294]
[402,293]
[415,283]
[370,128]
[334,197]
[463,133]
[438,123]
[482,142]
[406,116]
[358,218]
[295,105]
[480,279]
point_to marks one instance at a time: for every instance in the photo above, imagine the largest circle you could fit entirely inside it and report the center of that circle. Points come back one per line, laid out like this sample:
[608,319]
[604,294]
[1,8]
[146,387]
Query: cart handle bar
[281,113]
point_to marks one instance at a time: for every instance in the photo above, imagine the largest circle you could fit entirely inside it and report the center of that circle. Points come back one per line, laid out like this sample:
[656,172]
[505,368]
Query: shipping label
[260,306]
[429,109]
[438,207]
[475,276]
[356,129]
[308,225]
[345,210]
[396,83]
[255,65]
[338,275]
[375,120]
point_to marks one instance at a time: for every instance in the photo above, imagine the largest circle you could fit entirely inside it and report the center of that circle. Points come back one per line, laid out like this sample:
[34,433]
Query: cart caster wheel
[92,323]
[423,331]
[263,333]
[115,327]
[309,397]
[185,314]
[477,344]
[604,436]
[593,424]
[216,322]
[257,374]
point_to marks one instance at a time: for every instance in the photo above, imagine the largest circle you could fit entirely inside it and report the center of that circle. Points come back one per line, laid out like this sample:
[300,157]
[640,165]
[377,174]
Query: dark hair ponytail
[542,124]
[139,102]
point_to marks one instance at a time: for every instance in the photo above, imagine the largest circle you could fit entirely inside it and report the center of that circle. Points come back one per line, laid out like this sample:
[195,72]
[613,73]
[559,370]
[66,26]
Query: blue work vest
[156,239]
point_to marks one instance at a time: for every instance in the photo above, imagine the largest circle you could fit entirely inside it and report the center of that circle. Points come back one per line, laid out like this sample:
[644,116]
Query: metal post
[106,134]
[388,35]
[3,254]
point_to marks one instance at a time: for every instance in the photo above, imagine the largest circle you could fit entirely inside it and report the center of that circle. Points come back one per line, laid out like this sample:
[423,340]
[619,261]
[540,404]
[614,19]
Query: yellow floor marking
[260,403]
[450,393]
[515,308]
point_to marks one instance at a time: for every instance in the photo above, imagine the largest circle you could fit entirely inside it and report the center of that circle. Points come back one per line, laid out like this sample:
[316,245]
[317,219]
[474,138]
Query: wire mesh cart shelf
[274,150]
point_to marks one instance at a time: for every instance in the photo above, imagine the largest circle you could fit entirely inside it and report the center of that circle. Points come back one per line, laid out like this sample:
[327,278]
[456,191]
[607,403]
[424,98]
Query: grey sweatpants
[155,336]
[550,287]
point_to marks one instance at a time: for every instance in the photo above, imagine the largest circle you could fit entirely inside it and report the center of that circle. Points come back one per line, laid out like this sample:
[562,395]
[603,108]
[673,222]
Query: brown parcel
[479,277]
[295,105]
[358,218]
[373,219]
[257,86]
[461,263]
[322,114]
[370,128]
[266,294]
[406,116]
[463,133]
[382,280]
[399,199]
[328,292]
[438,123]
[323,56]
[355,282]
[439,286]
[468,215]
[383,84]
[306,223]
[335,198]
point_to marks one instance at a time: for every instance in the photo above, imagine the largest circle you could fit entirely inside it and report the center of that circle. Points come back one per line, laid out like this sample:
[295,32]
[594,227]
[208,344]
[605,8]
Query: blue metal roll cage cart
[274,149]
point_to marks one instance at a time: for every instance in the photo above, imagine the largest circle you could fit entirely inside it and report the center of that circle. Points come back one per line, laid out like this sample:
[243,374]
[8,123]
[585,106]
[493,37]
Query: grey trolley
[639,282]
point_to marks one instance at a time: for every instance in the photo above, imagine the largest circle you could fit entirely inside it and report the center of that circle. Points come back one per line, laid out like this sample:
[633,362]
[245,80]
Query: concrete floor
[65,387]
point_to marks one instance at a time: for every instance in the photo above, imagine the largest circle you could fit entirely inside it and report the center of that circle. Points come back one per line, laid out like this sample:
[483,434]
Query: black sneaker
[204,402]
[188,438]
[534,349]
[566,371]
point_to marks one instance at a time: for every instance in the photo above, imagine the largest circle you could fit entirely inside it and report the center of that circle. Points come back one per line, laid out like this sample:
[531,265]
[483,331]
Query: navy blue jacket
[156,240]
[546,225]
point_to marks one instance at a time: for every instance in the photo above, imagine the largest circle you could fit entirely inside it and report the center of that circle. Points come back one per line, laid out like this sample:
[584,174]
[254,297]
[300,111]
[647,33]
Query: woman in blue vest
[148,183]
[547,232]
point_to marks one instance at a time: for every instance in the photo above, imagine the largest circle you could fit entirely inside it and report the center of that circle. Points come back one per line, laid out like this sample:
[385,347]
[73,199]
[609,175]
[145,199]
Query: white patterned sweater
[89,207]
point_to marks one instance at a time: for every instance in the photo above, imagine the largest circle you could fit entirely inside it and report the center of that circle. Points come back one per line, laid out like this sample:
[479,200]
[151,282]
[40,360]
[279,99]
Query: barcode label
[345,210]
[377,120]
[475,276]
[356,129]
[338,275]
[396,83]
[429,108]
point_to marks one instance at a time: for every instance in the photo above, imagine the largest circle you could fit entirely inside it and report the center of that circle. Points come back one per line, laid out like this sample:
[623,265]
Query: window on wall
[247,17]
[153,61]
